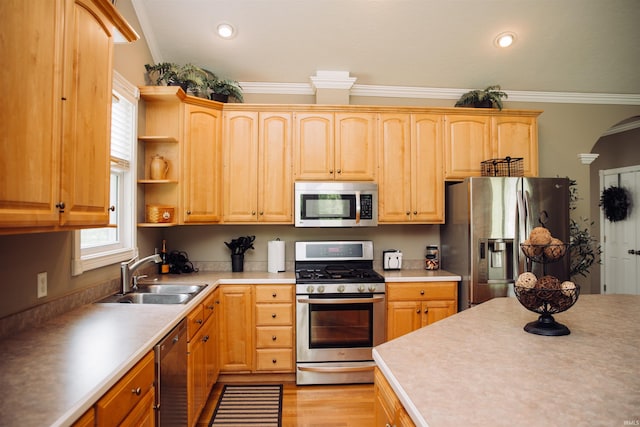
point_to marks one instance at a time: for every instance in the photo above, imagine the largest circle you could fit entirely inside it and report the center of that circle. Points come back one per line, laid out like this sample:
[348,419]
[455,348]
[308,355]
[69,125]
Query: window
[97,247]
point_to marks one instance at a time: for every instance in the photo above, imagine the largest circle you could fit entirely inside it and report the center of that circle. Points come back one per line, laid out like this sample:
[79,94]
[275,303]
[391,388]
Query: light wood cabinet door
[355,147]
[86,141]
[438,310]
[143,415]
[411,186]
[394,178]
[313,146]
[403,317]
[467,143]
[202,163]
[516,136]
[427,177]
[240,166]
[275,184]
[196,376]
[236,328]
[211,362]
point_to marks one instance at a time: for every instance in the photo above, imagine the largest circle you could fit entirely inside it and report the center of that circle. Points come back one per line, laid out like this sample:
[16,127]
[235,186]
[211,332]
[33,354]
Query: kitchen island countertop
[479,367]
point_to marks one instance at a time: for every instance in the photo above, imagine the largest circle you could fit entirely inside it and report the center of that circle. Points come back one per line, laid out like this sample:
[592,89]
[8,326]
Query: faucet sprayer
[128,267]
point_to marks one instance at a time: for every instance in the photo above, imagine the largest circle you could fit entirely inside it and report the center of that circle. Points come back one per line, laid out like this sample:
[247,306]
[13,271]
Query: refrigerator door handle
[521,233]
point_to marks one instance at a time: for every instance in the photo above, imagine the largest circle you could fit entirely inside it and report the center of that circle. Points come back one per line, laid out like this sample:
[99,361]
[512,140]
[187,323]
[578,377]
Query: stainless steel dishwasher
[171,378]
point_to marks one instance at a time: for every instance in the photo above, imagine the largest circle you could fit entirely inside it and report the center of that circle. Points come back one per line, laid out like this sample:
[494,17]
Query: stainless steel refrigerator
[486,220]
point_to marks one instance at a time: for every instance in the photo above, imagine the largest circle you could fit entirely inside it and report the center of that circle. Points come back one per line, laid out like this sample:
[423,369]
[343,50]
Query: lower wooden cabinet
[388,409]
[131,401]
[236,328]
[88,419]
[274,328]
[413,305]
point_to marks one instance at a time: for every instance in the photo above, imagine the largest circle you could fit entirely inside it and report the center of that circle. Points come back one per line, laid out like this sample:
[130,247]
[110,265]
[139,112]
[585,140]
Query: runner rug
[249,405]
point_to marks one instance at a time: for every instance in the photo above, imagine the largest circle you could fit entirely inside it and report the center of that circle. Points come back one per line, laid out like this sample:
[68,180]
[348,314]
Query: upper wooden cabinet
[410,179]
[257,167]
[56,131]
[201,164]
[472,138]
[340,146]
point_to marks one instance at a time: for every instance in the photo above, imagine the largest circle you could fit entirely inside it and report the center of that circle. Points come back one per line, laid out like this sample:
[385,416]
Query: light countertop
[479,367]
[50,375]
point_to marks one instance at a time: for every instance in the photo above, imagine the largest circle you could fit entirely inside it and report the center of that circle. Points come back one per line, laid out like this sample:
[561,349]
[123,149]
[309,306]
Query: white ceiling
[581,46]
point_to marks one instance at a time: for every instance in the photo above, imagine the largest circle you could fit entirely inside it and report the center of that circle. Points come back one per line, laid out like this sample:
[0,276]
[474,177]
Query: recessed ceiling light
[226,31]
[505,39]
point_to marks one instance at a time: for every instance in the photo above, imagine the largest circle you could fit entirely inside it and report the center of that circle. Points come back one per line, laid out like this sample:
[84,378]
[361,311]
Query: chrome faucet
[128,267]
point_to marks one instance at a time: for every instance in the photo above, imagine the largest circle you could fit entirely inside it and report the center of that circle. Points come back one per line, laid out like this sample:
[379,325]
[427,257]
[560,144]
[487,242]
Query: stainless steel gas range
[340,312]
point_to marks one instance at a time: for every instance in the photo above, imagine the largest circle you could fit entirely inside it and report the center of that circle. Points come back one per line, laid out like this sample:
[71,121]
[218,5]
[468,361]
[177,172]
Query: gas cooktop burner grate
[332,274]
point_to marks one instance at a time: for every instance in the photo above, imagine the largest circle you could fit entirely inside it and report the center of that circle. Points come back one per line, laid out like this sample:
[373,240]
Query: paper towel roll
[275,256]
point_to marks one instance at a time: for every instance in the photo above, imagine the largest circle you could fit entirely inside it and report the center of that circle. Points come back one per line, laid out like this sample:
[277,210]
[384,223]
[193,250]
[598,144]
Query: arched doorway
[618,161]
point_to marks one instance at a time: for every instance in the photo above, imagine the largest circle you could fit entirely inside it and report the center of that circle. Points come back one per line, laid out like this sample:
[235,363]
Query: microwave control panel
[366,206]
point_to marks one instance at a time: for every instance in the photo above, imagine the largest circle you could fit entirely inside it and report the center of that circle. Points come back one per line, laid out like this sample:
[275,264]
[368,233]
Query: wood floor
[316,406]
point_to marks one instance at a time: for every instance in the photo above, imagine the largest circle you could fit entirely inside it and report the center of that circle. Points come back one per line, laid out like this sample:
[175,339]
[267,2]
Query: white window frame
[91,258]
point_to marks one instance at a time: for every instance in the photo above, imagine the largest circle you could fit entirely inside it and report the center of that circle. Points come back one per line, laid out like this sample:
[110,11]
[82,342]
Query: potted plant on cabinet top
[223,89]
[491,97]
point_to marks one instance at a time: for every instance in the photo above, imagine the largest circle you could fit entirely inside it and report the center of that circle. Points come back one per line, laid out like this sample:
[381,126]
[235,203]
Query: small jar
[432,258]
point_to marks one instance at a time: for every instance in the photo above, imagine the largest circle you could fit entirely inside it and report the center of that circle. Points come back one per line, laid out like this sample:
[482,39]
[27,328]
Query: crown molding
[444,93]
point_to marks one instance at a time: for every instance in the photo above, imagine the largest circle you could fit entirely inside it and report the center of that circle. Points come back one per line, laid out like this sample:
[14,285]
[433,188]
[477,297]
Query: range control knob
[310,289]
[372,288]
[361,288]
[341,288]
[321,289]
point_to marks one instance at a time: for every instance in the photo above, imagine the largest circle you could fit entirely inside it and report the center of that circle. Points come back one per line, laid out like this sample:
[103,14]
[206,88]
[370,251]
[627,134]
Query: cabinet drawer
[209,305]
[421,290]
[274,293]
[195,319]
[116,404]
[274,336]
[274,360]
[274,314]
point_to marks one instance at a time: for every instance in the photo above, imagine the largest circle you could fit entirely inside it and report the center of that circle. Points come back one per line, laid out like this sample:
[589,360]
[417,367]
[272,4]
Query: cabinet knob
[112,208]
[339,170]
[261,213]
[274,294]
[188,212]
[418,311]
[273,315]
[205,338]
[421,291]
[273,338]
[199,321]
[210,307]
[415,212]
[60,205]
[136,391]
[253,212]
[274,361]
[426,310]
[330,170]
[408,213]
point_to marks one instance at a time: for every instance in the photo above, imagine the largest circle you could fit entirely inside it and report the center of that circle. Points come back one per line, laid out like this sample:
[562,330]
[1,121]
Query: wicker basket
[160,214]
[509,166]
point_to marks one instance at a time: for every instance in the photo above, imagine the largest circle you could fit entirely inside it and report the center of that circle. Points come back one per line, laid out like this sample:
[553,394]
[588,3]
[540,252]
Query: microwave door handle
[357,207]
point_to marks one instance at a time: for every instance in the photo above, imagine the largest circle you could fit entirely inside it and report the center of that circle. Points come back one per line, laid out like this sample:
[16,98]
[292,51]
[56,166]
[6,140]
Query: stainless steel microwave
[336,204]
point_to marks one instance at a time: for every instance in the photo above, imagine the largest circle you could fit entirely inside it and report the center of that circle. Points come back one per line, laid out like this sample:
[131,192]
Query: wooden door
[466,145]
[313,146]
[31,113]
[240,197]
[427,183]
[355,146]
[236,328]
[86,143]
[394,177]
[201,177]
[403,317]
[437,310]
[275,191]
[516,137]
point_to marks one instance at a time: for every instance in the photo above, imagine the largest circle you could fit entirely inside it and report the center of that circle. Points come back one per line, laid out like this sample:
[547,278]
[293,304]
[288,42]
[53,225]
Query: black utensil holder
[237,263]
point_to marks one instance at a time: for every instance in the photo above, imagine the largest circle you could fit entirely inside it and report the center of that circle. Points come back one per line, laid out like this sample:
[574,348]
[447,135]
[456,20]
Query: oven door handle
[337,369]
[341,300]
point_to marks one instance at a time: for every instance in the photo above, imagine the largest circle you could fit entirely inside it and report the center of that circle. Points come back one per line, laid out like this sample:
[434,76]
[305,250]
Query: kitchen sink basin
[170,289]
[147,298]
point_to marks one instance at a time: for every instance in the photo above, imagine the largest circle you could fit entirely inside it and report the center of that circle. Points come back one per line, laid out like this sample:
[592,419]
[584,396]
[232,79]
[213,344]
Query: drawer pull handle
[274,294]
[422,292]
[210,307]
[273,315]
[274,361]
[273,338]
[136,391]
[199,321]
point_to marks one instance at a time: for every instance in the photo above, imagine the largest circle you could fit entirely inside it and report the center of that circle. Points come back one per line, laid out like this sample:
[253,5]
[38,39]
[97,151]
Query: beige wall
[565,130]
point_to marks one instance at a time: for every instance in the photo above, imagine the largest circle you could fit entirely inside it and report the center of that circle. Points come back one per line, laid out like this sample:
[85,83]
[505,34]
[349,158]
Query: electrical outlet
[42,284]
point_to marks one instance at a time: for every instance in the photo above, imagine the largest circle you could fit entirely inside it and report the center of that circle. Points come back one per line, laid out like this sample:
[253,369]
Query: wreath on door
[615,203]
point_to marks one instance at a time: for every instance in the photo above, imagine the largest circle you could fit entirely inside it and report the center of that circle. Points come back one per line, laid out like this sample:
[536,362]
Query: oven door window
[341,325]
[328,206]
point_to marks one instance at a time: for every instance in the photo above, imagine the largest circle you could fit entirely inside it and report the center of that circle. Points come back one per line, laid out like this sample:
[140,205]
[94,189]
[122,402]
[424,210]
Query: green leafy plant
[491,97]
[584,249]
[227,87]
